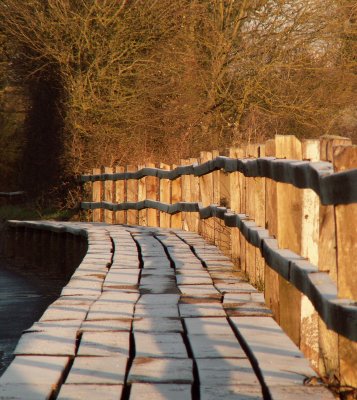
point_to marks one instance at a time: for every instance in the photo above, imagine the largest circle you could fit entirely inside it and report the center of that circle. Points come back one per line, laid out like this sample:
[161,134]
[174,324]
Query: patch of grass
[31,212]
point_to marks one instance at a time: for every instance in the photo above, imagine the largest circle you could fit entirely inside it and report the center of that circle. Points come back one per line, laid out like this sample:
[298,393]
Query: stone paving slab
[119,297]
[35,370]
[279,360]
[199,291]
[201,310]
[104,344]
[157,325]
[90,392]
[206,325]
[243,392]
[159,391]
[226,372]
[90,269]
[236,298]
[20,391]
[55,325]
[216,346]
[193,279]
[120,289]
[181,265]
[122,277]
[248,309]
[300,392]
[58,312]
[106,325]
[159,345]
[98,370]
[161,370]
[58,342]
[146,310]
[76,300]
[159,288]
[103,309]
[158,299]
[152,262]
[240,287]
[125,264]
[141,322]
[83,286]
[157,272]
[158,281]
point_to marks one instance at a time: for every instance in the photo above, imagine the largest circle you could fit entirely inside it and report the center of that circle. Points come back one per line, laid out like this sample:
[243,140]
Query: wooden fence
[286,213]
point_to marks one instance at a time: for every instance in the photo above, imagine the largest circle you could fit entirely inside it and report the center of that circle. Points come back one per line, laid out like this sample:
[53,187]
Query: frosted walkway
[156,314]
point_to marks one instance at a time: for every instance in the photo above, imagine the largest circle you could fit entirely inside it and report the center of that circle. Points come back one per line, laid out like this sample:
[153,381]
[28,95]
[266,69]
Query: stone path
[156,314]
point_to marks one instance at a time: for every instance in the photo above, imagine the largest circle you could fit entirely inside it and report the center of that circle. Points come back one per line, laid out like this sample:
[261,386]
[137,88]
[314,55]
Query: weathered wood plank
[108,196]
[186,195]
[289,201]
[176,196]
[327,261]
[225,243]
[97,196]
[165,197]
[234,203]
[271,277]
[152,186]
[206,227]
[344,158]
[216,199]
[252,151]
[309,333]
[193,218]
[120,216]
[132,196]
[142,214]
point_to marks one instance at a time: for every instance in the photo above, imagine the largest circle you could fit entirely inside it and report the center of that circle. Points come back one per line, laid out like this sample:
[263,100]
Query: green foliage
[33,212]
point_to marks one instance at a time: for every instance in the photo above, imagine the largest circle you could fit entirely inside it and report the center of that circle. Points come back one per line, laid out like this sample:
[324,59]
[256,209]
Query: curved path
[156,314]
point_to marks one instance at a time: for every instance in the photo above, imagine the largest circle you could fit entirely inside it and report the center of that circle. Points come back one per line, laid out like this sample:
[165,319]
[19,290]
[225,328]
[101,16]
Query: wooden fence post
[243,210]
[206,227]
[165,197]
[216,199]
[152,187]
[225,241]
[120,216]
[259,212]
[289,236]
[132,196]
[108,196]
[271,278]
[176,196]
[345,158]
[235,204]
[186,195]
[309,332]
[252,151]
[193,220]
[328,339]
[97,197]
[142,214]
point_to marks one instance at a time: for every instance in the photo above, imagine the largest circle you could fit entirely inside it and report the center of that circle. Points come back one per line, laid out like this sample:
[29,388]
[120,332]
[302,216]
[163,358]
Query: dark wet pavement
[23,299]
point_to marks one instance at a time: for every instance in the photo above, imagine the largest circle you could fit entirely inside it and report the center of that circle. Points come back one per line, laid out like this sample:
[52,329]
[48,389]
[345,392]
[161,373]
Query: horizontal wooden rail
[340,315]
[11,194]
[332,188]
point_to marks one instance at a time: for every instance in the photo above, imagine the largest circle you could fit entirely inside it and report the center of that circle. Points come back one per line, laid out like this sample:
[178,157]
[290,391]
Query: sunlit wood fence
[286,213]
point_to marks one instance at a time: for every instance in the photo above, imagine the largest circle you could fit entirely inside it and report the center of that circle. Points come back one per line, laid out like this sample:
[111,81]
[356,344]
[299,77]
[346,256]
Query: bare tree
[161,79]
